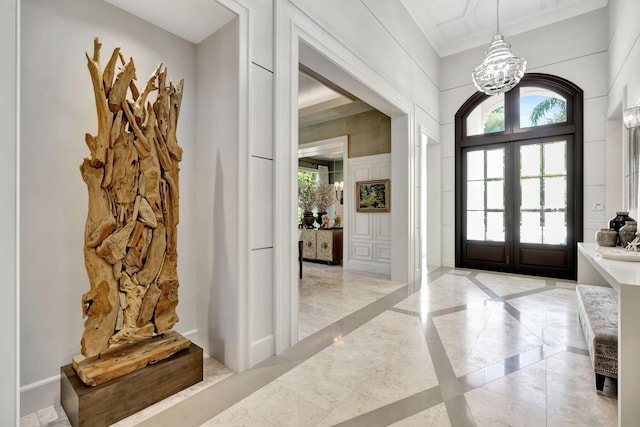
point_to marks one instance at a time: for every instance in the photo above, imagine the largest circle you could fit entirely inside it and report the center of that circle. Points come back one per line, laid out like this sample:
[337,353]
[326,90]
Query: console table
[322,245]
[624,277]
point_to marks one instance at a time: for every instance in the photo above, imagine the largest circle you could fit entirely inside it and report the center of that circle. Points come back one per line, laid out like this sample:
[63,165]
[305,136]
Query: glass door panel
[485,188]
[530,190]
[495,163]
[495,226]
[495,194]
[530,230]
[543,193]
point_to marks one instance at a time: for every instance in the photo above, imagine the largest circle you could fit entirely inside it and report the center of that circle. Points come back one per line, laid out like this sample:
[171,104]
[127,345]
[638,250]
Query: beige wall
[369,133]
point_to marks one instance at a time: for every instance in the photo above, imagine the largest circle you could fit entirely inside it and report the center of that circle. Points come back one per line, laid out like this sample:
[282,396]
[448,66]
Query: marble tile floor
[461,348]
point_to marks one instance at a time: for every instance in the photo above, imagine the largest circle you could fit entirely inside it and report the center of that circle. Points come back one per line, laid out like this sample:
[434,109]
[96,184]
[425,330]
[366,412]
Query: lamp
[339,187]
[500,71]
[631,117]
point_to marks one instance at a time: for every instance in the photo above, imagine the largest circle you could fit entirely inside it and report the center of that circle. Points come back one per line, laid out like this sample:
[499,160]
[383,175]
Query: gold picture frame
[373,196]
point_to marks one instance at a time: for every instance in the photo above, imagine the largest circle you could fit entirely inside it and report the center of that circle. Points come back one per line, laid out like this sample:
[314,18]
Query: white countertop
[617,273]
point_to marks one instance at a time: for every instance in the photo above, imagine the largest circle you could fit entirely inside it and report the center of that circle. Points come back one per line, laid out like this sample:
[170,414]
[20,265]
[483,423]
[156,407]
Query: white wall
[8,194]
[624,90]
[234,207]
[409,63]
[57,109]
[624,50]
[216,214]
[575,49]
[261,295]
[428,138]
[261,306]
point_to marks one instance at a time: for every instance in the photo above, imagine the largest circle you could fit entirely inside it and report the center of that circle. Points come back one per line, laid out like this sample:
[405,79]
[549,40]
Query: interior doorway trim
[302,40]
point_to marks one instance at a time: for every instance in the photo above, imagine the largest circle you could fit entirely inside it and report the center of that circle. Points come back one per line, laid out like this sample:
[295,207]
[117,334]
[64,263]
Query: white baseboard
[262,349]
[369,267]
[39,395]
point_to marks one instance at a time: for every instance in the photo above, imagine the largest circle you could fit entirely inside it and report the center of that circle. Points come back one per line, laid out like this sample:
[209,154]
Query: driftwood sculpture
[130,234]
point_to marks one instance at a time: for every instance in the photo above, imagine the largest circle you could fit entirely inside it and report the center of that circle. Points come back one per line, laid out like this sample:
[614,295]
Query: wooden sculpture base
[121,360]
[110,402]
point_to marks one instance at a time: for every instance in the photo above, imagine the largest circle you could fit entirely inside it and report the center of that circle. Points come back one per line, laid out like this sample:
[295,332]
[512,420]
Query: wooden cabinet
[322,245]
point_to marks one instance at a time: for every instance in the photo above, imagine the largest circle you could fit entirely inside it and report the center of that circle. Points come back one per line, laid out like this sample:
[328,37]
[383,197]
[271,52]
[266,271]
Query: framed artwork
[373,196]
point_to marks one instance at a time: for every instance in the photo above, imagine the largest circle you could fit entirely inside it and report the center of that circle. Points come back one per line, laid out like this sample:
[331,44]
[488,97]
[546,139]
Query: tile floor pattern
[462,348]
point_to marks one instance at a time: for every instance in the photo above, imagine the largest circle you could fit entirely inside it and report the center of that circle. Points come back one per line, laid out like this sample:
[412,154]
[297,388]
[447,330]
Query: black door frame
[573,128]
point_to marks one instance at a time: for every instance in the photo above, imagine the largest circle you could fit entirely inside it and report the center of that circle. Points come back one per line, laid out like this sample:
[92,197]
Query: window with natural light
[540,107]
[487,117]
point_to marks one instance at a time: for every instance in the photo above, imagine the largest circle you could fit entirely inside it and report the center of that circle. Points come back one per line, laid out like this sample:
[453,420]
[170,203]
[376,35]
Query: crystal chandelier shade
[500,71]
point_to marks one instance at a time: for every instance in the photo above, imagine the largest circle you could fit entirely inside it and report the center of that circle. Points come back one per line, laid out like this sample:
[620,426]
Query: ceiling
[192,20]
[450,25]
[320,100]
[453,26]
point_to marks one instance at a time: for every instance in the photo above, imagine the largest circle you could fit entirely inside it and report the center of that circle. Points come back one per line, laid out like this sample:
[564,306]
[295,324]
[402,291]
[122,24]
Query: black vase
[618,221]
[308,219]
[319,218]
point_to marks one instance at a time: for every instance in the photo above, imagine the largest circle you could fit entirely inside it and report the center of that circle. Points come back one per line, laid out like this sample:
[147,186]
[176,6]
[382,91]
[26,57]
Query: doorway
[331,156]
[340,69]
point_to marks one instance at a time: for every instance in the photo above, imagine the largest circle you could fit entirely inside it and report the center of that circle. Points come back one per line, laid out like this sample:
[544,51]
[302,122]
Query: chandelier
[500,71]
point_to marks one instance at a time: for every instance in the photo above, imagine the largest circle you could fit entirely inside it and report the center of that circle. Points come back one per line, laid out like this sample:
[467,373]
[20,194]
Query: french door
[518,184]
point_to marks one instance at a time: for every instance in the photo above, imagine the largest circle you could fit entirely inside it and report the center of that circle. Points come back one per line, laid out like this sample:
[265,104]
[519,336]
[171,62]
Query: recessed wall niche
[130,251]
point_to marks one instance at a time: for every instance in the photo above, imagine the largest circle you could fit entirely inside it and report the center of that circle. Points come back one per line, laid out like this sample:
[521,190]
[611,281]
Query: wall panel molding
[362,251]
[383,253]
[370,232]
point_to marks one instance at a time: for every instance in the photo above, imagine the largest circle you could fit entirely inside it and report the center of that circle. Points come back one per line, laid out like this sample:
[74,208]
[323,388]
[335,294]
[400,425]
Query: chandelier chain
[498,16]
